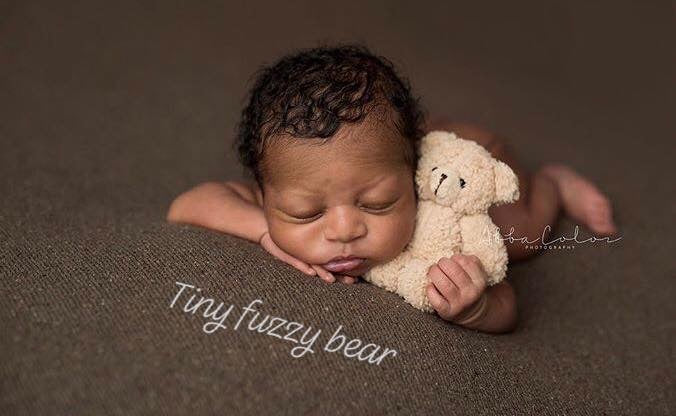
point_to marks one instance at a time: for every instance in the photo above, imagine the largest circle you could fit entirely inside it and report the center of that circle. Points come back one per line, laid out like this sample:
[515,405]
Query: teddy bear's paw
[497,275]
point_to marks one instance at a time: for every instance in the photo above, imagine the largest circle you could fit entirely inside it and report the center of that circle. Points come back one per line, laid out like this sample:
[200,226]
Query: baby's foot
[581,200]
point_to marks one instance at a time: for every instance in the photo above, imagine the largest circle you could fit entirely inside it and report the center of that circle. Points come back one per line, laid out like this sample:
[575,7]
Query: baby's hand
[456,284]
[272,248]
[329,277]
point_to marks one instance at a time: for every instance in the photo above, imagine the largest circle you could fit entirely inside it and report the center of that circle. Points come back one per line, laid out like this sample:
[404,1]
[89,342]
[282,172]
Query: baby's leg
[542,194]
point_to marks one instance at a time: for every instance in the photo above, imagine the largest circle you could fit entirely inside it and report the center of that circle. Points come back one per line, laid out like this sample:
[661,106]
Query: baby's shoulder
[249,191]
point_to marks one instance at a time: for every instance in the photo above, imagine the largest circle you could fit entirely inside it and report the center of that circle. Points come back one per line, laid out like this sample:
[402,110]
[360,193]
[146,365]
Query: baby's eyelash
[379,207]
[308,217]
[376,208]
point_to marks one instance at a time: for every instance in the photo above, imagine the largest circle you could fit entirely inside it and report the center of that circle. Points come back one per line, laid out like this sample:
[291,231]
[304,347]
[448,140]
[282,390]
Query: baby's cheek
[404,222]
[293,239]
[392,234]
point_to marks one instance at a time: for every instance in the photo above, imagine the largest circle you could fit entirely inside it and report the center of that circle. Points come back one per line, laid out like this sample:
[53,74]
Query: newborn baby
[330,135]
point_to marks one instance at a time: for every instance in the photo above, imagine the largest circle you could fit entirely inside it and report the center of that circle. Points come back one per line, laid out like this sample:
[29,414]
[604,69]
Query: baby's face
[353,196]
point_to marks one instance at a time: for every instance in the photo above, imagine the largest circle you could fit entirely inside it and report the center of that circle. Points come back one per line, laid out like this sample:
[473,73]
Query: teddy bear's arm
[482,238]
[405,276]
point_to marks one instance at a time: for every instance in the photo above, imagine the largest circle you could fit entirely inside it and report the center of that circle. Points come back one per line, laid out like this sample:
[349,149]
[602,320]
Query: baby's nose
[344,224]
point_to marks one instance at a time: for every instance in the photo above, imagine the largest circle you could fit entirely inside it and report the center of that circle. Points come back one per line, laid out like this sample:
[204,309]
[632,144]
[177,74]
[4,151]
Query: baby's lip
[342,258]
[343,264]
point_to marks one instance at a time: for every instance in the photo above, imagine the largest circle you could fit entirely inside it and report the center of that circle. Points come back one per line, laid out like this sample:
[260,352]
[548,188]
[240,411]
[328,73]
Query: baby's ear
[506,183]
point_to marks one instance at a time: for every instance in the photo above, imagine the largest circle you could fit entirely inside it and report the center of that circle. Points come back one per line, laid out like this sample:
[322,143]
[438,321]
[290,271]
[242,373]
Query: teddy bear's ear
[506,183]
[432,140]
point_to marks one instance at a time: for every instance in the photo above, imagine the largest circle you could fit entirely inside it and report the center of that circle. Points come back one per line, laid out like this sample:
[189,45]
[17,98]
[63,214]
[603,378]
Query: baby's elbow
[192,205]
[176,210]
[503,317]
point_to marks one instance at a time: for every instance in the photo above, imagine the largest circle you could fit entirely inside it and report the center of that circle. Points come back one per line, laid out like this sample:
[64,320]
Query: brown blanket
[108,111]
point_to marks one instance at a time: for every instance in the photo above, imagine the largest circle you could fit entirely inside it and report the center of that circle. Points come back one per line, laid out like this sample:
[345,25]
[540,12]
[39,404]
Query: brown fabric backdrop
[109,110]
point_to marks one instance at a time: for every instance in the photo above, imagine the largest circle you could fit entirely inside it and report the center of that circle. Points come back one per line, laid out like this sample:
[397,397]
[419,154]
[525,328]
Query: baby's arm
[232,208]
[229,207]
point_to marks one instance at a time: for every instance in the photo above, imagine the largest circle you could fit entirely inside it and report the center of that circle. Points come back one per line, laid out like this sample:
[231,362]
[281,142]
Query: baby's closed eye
[383,206]
[371,207]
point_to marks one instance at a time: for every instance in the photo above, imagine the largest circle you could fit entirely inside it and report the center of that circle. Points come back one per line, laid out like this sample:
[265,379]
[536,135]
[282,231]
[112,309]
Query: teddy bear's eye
[462,183]
[434,168]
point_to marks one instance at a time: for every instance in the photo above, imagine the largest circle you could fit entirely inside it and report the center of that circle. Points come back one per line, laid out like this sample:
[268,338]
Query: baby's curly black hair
[312,92]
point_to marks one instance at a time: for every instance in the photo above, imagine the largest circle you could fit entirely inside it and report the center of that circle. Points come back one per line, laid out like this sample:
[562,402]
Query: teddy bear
[457,180]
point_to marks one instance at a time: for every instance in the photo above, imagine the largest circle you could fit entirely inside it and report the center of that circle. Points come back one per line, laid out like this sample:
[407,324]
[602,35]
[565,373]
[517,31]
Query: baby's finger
[439,303]
[443,283]
[347,279]
[472,265]
[455,272]
[324,274]
[300,265]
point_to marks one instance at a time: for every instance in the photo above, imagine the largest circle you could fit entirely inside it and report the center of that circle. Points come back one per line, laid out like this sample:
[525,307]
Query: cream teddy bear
[457,181]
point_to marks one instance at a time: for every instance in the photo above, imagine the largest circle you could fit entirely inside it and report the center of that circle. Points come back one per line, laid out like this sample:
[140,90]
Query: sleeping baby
[329,136]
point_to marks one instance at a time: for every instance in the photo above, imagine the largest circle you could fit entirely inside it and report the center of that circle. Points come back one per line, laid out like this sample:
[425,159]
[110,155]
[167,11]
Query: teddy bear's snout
[444,184]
